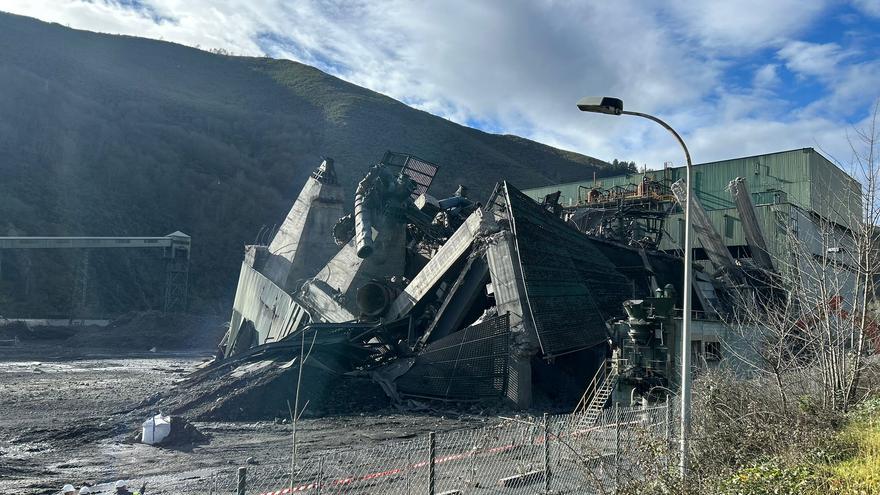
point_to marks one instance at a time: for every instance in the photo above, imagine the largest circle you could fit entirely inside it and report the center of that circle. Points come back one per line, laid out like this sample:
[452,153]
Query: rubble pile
[21,331]
[183,434]
[425,299]
[262,387]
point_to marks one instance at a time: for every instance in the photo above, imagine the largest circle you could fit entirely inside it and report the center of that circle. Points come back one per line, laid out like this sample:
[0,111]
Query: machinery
[641,344]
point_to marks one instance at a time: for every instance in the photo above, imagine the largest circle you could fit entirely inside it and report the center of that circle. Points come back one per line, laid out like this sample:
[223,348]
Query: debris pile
[422,298]
[261,386]
[19,330]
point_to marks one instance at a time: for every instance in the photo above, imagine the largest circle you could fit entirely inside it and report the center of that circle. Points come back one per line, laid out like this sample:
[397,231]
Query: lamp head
[601,104]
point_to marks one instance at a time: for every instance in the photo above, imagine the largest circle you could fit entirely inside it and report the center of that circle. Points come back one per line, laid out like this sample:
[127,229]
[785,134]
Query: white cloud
[869,7]
[852,89]
[766,76]
[812,59]
[190,23]
[851,81]
[519,66]
[736,26]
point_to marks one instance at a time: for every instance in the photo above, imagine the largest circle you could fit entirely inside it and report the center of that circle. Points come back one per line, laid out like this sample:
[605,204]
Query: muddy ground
[66,419]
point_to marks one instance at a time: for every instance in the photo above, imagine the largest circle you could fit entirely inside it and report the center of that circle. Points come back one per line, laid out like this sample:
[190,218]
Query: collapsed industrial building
[518,300]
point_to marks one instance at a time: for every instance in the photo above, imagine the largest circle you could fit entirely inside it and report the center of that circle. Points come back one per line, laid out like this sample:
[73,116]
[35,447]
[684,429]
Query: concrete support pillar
[510,297]
[81,285]
[304,243]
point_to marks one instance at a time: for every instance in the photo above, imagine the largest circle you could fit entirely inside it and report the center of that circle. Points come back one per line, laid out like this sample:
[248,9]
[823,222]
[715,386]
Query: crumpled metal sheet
[470,364]
[572,288]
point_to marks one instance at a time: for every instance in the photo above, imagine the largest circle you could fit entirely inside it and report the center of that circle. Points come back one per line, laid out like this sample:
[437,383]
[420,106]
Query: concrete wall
[257,299]
[304,243]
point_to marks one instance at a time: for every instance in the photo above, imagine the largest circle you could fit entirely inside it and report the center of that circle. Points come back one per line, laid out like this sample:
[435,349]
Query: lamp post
[614,106]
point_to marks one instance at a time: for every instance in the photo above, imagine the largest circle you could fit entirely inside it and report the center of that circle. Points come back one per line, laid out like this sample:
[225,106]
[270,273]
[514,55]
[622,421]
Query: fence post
[616,447]
[409,469]
[241,486]
[668,431]
[431,454]
[546,455]
[320,475]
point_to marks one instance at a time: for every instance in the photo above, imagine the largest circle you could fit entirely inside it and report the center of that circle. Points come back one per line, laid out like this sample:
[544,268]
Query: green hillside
[115,135]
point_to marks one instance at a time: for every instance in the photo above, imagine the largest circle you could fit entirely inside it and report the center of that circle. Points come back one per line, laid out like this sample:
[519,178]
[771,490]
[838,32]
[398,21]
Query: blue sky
[735,78]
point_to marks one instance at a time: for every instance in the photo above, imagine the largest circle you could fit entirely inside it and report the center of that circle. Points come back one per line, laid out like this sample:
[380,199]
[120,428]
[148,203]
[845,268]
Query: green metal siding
[787,171]
[766,215]
[835,195]
[719,219]
[777,181]
[802,177]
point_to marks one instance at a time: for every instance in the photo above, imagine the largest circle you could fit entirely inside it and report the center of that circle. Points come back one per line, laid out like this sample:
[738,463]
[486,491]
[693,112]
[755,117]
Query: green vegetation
[770,478]
[858,470]
[746,443]
[848,464]
[114,135]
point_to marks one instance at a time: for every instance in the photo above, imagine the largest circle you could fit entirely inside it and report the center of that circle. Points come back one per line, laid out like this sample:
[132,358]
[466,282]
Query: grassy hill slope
[116,135]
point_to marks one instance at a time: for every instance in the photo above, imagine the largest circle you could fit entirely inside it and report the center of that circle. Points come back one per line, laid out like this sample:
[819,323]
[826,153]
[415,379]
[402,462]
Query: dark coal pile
[19,330]
[136,332]
[153,329]
[84,431]
[183,434]
[263,387]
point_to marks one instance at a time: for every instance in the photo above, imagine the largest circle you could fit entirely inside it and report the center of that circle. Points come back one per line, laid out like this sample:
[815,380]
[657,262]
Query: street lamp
[614,106]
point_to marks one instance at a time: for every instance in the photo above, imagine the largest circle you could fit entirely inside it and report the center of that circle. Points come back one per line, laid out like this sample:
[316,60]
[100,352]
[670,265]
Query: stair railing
[593,387]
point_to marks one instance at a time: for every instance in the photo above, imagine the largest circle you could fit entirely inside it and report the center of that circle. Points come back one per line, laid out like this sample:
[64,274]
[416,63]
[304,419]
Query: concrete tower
[304,243]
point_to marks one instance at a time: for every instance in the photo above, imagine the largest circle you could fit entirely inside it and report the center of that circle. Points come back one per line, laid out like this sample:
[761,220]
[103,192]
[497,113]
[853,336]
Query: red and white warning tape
[418,465]
[382,474]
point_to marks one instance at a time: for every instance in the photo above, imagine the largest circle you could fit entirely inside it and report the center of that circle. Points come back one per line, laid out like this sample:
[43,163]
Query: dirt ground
[65,420]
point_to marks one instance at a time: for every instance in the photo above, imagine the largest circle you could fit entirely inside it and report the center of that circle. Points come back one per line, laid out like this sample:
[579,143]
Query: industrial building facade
[799,186]
[797,196]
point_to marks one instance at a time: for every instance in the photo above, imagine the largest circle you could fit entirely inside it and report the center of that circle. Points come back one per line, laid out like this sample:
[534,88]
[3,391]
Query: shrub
[771,477]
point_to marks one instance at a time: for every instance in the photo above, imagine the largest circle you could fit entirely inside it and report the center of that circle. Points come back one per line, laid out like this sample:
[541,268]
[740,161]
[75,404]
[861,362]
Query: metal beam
[176,251]
[170,240]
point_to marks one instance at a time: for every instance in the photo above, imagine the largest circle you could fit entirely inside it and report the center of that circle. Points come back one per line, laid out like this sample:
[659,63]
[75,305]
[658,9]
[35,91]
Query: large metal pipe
[751,227]
[363,222]
[374,298]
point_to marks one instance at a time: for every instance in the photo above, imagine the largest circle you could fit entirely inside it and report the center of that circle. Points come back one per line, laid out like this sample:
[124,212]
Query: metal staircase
[590,407]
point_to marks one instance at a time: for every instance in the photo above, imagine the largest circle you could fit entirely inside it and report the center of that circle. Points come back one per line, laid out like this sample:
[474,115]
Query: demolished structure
[438,299]
[523,299]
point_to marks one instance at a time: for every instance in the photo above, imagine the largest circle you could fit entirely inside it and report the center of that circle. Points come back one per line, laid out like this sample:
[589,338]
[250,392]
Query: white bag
[156,429]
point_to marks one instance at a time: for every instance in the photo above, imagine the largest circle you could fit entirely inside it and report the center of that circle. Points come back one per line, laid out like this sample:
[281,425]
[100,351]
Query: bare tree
[812,316]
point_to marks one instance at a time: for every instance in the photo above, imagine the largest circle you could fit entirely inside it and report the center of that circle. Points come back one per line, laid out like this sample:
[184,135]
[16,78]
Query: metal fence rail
[549,454]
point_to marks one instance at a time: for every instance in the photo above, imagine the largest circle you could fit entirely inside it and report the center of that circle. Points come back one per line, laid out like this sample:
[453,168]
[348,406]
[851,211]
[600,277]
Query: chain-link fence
[549,454]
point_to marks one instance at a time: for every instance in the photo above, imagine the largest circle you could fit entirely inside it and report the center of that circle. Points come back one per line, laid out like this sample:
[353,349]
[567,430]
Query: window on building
[728,226]
[713,351]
